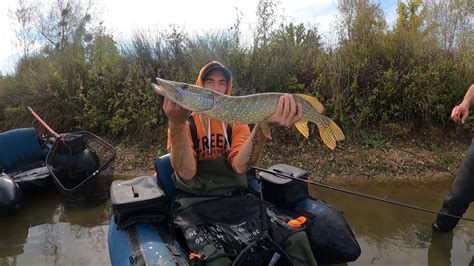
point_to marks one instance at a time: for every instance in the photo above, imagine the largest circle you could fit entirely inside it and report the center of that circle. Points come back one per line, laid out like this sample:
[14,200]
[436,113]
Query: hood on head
[214,65]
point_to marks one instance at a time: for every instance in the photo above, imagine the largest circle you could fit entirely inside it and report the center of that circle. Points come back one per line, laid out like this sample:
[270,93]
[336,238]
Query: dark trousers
[461,194]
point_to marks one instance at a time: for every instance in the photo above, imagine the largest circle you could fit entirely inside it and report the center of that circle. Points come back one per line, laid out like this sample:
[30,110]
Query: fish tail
[329,131]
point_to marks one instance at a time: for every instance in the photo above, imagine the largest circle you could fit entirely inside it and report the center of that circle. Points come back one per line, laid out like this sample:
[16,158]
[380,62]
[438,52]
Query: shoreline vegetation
[425,157]
[390,85]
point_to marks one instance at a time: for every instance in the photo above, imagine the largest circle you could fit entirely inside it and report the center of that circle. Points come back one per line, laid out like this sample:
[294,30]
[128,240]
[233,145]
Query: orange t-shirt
[217,141]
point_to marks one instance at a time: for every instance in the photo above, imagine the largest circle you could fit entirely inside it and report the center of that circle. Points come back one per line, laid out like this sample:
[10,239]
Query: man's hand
[287,112]
[176,114]
[182,157]
[460,113]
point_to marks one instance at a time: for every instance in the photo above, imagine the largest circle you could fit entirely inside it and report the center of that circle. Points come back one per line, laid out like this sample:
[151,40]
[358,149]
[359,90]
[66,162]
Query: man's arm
[182,156]
[461,111]
[469,97]
[286,114]
[250,152]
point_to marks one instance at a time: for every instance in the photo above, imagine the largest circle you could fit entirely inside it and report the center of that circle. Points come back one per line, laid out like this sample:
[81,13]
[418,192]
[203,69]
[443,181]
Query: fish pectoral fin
[315,103]
[265,129]
[302,127]
[202,118]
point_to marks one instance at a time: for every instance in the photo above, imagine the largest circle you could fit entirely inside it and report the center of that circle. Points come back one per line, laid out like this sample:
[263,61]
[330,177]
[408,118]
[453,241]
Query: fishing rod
[364,195]
[56,135]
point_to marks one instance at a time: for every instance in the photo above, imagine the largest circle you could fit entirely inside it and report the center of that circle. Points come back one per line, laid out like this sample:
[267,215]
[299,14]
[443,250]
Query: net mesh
[82,166]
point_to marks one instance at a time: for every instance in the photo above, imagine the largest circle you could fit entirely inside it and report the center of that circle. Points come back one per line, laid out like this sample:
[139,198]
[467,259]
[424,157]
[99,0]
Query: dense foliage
[395,79]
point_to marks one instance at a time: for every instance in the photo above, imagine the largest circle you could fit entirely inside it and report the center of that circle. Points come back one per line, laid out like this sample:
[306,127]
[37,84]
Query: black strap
[137,257]
[193,129]
[194,136]
[267,244]
[170,244]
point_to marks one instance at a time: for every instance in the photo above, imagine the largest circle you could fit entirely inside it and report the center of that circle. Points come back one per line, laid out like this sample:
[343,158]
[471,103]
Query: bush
[396,80]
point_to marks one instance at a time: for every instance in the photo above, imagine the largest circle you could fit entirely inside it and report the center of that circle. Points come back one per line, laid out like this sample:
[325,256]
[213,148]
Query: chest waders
[461,194]
[218,217]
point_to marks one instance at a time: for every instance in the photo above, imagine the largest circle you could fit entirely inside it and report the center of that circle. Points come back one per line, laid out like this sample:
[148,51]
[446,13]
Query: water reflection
[392,235]
[47,231]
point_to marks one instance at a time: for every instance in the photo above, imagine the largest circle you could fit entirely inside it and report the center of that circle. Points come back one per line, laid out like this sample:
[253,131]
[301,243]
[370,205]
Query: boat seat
[20,149]
[164,170]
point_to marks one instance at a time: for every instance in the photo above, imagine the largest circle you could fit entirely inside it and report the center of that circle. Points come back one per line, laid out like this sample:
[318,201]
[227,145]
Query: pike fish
[248,109]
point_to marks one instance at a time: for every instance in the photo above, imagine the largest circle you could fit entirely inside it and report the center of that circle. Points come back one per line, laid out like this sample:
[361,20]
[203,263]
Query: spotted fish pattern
[249,109]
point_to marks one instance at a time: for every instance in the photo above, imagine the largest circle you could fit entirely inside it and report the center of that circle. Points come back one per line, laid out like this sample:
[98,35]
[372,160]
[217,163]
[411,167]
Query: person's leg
[439,252]
[221,261]
[298,248]
[460,196]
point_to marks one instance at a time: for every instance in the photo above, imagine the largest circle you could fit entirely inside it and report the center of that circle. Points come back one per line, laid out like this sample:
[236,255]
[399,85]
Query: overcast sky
[122,17]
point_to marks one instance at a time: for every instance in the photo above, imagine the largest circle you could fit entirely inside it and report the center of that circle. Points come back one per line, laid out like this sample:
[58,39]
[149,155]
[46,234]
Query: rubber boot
[460,196]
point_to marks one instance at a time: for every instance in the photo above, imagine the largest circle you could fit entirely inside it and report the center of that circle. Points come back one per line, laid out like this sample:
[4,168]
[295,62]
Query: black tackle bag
[284,192]
[137,200]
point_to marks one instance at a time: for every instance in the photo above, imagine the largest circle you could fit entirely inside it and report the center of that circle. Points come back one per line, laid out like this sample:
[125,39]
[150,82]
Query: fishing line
[356,193]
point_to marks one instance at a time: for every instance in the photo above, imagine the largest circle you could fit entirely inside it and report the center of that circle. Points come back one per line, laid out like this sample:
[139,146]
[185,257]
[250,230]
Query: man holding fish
[211,158]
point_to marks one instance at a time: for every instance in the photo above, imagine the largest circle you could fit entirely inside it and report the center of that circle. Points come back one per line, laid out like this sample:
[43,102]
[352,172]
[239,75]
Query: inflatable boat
[140,234]
[79,165]
[22,167]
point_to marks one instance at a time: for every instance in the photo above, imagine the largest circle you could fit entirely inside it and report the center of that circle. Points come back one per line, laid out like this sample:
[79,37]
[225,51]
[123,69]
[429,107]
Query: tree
[359,20]
[452,22]
[65,22]
[265,20]
[347,11]
[412,16]
[25,15]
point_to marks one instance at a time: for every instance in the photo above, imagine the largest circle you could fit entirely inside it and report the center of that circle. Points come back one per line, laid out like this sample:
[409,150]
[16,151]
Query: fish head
[187,96]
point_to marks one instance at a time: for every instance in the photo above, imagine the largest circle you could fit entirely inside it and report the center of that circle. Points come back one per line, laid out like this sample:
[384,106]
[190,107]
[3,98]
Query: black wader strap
[137,257]
[194,136]
[279,252]
[177,256]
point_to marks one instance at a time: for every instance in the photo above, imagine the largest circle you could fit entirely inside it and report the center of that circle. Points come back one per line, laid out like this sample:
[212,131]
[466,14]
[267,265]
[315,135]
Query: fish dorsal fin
[302,127]
[317,105]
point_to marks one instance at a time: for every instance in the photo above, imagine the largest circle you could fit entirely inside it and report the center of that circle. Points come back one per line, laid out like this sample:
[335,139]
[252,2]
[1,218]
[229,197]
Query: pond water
[393,235]
[48,231]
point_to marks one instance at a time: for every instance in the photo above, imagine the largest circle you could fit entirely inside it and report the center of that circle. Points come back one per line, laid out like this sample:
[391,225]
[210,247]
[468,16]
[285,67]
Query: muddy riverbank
[425,157]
